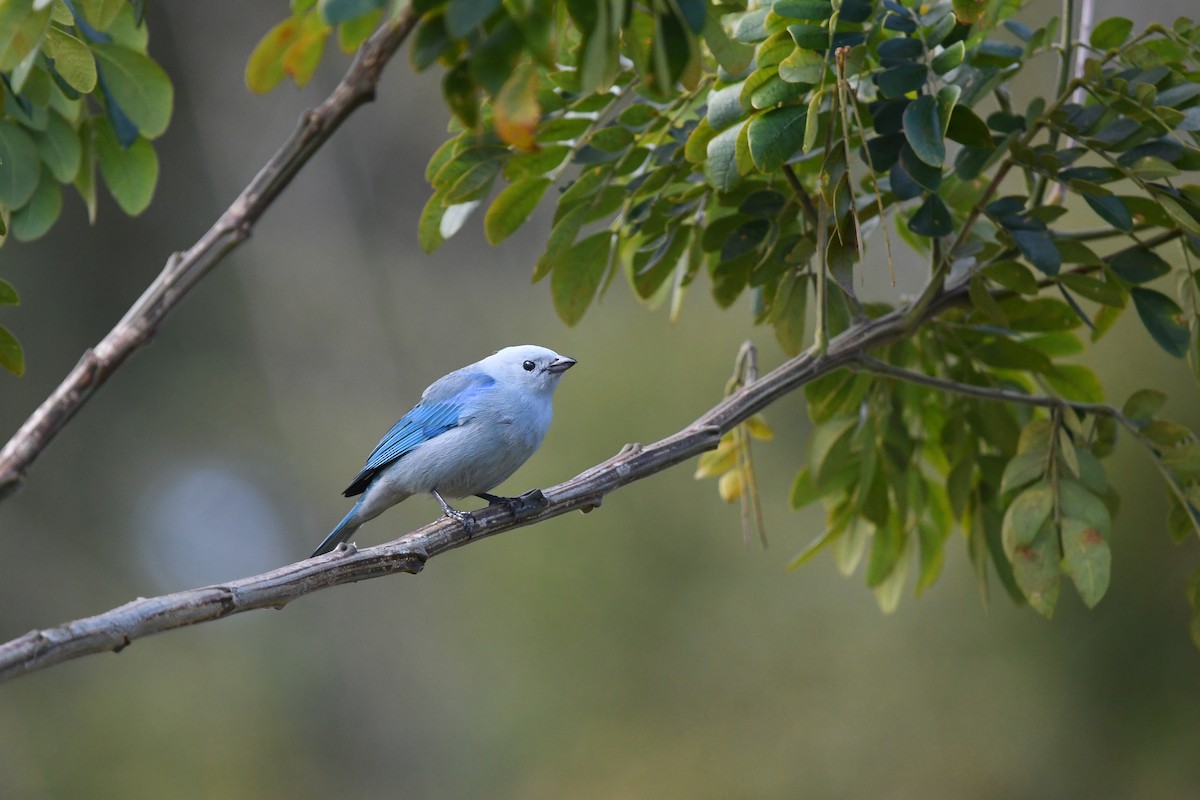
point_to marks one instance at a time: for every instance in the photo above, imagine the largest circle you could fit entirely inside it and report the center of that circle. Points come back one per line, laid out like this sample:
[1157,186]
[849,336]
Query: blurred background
[640,651]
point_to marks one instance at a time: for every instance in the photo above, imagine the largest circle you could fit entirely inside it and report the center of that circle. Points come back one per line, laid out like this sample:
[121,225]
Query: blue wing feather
[441,408]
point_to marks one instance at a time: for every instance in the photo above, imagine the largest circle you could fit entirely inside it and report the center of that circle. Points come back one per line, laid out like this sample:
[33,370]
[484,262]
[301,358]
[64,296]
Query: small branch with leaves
[184,270]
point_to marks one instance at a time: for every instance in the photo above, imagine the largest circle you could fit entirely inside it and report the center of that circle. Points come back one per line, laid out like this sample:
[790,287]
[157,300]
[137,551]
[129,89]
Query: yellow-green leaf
[11,357]
[353,32]
[101,13]
[72,60]
[21,29]
[302,58]
[516,112]
[264,69]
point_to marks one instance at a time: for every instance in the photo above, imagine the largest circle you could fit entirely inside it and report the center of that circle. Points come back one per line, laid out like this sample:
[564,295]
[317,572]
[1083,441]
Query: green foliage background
[641,650]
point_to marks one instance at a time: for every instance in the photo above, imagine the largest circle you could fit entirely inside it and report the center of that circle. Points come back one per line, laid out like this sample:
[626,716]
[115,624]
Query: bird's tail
[344,530]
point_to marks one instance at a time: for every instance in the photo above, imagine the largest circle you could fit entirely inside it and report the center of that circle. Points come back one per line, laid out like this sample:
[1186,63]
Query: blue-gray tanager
[471,430]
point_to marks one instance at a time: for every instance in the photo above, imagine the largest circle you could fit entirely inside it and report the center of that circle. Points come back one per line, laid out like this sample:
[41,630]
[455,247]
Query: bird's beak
[560,364]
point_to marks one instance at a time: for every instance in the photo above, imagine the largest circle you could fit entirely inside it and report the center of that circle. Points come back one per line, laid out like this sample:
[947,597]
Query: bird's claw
[464,518]
[529,503]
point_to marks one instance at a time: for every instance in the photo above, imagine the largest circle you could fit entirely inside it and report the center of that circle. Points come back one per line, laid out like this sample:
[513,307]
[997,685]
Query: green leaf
[1036,570]
[901,79]
[461,94]
[59,148]
[1139,266]
[776,135]
[512,207]
[72,60]
[827,439]
[336,12]
[949,58]
[578,274]
[1161,316]
[11,357]
[802,66]
[1144,404]
[429,226]
[968,12]
[1022,469]
[1012,275]
[927,177]
[813,548]
[1103,292]
[932,218]
[1088,560]
[19,166]
[85,178]
[138,85]
[1184,461]
[562,237]
[8,295]
[430,40]
[1181,521]
[474,183]
[804,9]
[889,590]
[1038,248]
[720,169]
[353,32]
[463,16]
[1112,210]
[967,128]
[33,219]
[1111,33]
[812,122]
[1076,502]
[1178,213]
[804,491]
[598,64]
[1025,516]
[789,313]
[923,130]
[734,57]
[101,13]
[130,173]
[21,29]
[1075,382]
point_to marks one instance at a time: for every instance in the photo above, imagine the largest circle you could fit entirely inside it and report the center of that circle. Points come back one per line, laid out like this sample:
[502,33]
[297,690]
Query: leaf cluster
[78,94]
[763,146]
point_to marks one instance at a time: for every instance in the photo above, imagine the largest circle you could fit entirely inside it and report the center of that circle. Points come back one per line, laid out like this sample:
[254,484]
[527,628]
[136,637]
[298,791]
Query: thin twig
[184,270]
[810,211]
[883,369]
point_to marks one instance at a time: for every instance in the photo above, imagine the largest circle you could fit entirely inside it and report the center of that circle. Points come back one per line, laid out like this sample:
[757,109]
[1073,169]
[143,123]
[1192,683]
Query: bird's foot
[526,505]
[464,518]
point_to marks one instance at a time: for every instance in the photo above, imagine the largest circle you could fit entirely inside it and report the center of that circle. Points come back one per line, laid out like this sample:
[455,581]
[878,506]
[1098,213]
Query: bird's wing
[442,407]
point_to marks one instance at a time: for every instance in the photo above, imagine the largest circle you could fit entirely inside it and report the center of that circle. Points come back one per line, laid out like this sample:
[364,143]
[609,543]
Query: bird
[470,431]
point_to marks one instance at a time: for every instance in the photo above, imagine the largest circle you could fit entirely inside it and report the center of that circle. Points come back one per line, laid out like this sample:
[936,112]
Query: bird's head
[527,365]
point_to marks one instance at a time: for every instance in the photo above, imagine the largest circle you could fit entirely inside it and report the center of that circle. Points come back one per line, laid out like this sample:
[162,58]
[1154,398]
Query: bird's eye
[528,366]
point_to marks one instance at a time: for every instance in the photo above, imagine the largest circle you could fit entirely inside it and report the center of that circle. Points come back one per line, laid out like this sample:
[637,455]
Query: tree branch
[183,270]
[116,629]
